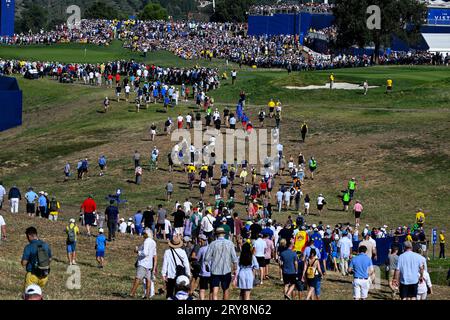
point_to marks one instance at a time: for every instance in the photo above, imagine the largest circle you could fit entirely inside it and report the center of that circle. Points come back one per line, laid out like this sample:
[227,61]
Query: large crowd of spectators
[208,40]
[270,9]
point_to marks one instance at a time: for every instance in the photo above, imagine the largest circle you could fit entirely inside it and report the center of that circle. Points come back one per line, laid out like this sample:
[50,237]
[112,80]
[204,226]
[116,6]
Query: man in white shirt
[345,246]
[260,247]
[207,226]
[2,228]
[279,199]
[187,206]
[146,264]
[2,194]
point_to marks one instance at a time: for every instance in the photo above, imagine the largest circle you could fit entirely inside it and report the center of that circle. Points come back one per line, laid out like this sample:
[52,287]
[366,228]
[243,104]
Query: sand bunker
[336,85]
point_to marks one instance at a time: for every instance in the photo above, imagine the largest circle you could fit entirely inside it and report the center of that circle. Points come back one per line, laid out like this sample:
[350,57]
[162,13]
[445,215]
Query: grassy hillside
[397,146]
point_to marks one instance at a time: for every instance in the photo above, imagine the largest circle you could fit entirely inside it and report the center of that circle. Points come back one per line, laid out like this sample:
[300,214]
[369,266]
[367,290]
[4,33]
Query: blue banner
[7,17]
[439,16]
[11,106]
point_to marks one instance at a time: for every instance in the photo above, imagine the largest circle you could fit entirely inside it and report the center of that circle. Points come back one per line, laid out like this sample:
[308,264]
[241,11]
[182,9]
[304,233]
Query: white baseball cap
[72,220]
[100,230]
[182,280]
[314,226]
[33,289]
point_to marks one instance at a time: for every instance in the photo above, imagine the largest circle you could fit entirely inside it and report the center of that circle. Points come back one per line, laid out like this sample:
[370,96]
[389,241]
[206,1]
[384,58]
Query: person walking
[391,267]
[362,269]
[175,264]
[67,172]
[289,267]
[304,131]
[169,190]
[72,231]
[100,248]
[112,220]
[312,166]
[205,275]
[320,203]
[138,175]
[351,186]
[442,245]
[54,207]
[136,159]
[2,228]
[36,259]
[424,287]
[146,264]
[14,197]
[357,210]
[221,259]
[260,247]
[2,194]
[409,272]
[42,201]
[345,246]
[31,197]
[88,208]
[312,274]
[244,278]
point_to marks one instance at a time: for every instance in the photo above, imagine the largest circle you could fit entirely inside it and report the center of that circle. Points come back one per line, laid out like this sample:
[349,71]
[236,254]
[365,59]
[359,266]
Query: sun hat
[202,237]
[220,231]
[175,243]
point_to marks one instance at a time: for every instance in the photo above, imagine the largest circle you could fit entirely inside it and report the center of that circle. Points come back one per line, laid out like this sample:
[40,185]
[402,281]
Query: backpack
[42,266]
[311,271]
[71,235]
[53,206]
[180,270]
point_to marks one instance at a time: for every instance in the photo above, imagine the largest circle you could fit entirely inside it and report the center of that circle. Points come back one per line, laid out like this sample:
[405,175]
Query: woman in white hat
[175,264]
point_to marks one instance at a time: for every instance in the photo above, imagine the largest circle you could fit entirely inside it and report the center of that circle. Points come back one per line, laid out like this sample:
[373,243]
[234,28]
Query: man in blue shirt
[289,267]
[362,269]
[100,246]
[138,222]
[223,186]
[30,259]
[31,198]
[42,204]
[102,164]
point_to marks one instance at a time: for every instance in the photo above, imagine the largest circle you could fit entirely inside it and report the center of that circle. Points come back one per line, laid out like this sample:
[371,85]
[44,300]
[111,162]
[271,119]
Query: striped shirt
[220,256]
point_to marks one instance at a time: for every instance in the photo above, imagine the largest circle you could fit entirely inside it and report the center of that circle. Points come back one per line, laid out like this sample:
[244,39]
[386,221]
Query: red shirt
[89,205]
[263,186]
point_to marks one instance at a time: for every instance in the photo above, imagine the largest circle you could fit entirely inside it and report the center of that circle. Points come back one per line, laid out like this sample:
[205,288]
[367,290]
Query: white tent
[437,42]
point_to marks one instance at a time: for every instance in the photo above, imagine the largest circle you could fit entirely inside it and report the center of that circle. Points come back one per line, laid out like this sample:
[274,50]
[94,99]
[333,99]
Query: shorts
[267,262]
[289,278]
[262,192]
[408,290]
[319,206]
[142,273]
[205,283]
[31,208]
[33,279]
[153,132]
[360,288]
[346,203]
[261,261]
[307,205]
[223,186]
[222,280]
[101,166]
[89,219]
[71,247]
[100,254]
[389,88]
[315,283]
[357,215]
